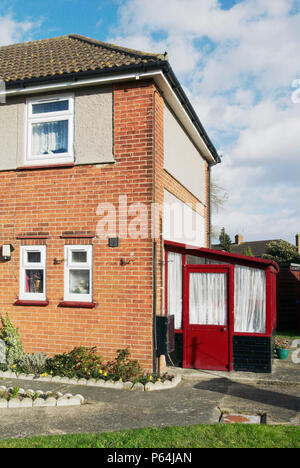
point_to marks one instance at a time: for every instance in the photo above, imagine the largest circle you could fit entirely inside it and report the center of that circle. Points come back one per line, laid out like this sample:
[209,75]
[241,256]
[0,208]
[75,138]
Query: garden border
[118,385]
[39,399]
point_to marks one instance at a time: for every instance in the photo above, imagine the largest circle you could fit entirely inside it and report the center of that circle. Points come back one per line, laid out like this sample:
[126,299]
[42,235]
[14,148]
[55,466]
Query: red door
[206,317]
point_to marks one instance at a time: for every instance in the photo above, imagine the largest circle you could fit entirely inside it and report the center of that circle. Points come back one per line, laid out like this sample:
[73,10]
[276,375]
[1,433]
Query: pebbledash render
[87,128]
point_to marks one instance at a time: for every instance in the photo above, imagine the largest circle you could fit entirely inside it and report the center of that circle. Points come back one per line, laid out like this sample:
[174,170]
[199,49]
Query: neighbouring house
[105,174]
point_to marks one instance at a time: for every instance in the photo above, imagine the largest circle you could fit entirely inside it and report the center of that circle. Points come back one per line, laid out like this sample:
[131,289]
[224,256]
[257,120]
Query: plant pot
[282,354]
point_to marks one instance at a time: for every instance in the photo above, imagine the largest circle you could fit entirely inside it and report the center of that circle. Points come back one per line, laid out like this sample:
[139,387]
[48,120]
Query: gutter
[161,72]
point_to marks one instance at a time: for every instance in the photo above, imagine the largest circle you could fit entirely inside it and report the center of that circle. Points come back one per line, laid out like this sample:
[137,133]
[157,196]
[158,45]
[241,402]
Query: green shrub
[81,362]
[123,367]
[11,337]
[32,363]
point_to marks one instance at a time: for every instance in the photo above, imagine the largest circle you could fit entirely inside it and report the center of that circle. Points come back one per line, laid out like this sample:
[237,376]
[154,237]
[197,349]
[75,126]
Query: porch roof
[225,256]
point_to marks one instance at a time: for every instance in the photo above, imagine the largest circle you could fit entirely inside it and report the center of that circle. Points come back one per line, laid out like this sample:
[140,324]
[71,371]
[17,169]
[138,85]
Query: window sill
[45,166]
[79,305]
[21,302]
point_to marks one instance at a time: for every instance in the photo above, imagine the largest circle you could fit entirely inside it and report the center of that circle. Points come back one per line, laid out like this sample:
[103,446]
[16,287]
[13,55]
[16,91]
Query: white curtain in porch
[175,287]
[249,300]
[208,299]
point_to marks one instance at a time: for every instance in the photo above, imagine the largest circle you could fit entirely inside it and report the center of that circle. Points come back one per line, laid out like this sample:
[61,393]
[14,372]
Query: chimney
[298,243]
[239,239]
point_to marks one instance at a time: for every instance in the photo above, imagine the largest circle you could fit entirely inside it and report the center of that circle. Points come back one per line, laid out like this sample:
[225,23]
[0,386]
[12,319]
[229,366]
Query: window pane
[79,282]
[34,281]
[208,299]
[50,107]
[50,138]
[34,257]
[79,257]
[175,287]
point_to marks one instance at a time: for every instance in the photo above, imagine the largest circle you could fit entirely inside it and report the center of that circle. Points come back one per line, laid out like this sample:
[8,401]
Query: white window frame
[45,117]
[25,265]
[70,265]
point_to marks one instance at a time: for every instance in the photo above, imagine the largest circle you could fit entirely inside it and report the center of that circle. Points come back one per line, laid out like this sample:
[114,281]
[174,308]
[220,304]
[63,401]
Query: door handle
[223,329]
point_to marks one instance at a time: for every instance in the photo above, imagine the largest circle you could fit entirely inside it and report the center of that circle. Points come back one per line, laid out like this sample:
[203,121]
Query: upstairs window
[50,132]
[33,273]
[78,273]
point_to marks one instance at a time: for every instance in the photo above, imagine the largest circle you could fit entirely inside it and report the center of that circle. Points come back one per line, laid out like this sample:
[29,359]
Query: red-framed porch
[227,261]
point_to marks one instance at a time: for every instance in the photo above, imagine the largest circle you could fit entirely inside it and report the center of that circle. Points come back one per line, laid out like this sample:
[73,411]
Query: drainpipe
[154,240]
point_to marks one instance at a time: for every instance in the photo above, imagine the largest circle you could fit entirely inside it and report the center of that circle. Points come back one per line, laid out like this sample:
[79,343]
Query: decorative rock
[26,376]
[82,382]
[80,397]
[3,403]
[14,403]
[128,385]
[149,386]
[9,375]
[26,403]
[100,383]
[56,379]
[91,382]
[138,387]
[68,401]
[30,392]
[39,402]
[73,381]
[51,401]
[118,385]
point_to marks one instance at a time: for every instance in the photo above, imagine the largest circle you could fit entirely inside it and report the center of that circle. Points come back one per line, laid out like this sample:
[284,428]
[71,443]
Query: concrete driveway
[194,401]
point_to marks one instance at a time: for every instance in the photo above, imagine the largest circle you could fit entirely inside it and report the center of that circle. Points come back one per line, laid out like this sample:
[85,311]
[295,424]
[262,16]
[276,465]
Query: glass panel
[79,282]
[208,299]
[79,256]
[50,138]
[50,107]
[193,260]
[34,281]
[249,300]
[34,257]
[175,287]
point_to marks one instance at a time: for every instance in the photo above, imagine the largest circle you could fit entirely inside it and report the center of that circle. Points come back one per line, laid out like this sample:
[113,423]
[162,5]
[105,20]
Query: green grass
[203,436]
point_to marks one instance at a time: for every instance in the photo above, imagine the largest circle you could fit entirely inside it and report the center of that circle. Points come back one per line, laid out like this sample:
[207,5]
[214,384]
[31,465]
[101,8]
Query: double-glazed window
[77,278]
[33,273]
[50,131]
[78,273]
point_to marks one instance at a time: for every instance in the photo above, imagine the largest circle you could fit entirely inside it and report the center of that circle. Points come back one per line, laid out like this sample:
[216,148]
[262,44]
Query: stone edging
[149,386]
[44,399]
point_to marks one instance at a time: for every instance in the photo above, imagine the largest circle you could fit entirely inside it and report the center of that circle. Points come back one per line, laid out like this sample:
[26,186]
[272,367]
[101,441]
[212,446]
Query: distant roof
[258,247]
[64,55]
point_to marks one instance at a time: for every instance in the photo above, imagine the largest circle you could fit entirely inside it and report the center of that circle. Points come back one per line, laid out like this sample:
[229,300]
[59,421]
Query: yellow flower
[158,380]
[3,378]
[121,380]
[100,372]
[150,378]
[14,366]
[105,374]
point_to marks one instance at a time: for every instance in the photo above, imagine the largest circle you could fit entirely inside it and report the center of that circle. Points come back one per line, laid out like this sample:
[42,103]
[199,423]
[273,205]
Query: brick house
[88,127]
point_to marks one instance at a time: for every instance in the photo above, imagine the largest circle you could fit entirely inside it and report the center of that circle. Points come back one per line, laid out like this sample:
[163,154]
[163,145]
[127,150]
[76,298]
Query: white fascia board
[157,76]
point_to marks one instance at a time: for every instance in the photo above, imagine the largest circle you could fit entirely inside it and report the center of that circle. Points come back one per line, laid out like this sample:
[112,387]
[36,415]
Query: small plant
[123,367]
[10,335]
[281,343]
[80,362]
[32,363]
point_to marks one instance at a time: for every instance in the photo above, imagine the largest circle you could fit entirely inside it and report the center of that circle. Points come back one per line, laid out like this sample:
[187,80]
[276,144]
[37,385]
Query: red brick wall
[58,203]
[55,201]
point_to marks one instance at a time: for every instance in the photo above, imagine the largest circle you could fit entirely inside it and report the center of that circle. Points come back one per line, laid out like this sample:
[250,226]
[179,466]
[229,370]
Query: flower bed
[15,397]
[82,366]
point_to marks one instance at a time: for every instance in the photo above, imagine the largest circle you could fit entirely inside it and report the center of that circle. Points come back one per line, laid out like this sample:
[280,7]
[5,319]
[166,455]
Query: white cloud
[238,66]
[13,31]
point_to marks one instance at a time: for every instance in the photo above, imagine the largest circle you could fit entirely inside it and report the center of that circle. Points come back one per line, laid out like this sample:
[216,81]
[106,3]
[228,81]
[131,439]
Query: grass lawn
[203,436]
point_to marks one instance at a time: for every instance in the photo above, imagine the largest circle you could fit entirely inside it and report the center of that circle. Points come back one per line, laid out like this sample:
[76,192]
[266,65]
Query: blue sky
[236,59]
